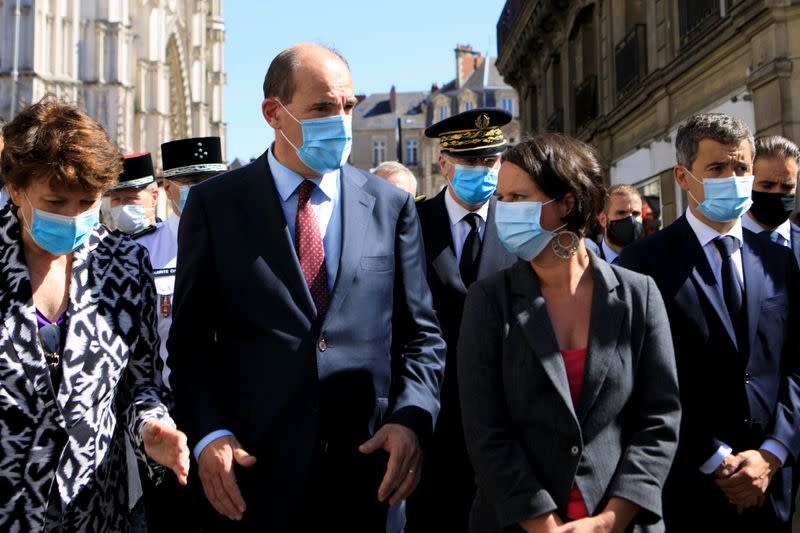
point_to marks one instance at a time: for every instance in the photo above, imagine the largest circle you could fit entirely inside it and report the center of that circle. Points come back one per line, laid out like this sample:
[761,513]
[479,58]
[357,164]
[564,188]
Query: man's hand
[748,484]
[728,466]
[592,524]
[405,461]
[216,473]
[167,446]
[546,523]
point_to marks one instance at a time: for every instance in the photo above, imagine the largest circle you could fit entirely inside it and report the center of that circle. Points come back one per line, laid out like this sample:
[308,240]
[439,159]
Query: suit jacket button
[746,421]
[747,377]
[322,345]
[574,451]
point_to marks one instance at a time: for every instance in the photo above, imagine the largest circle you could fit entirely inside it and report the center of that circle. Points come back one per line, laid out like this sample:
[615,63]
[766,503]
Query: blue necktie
[731,285]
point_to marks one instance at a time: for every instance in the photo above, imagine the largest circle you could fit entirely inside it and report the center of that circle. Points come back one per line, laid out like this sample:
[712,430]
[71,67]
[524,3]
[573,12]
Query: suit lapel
[18,311]
[607,315]
[444,256]
[688,248]
[531,313]
[753,283]
[262,207]
[356,209]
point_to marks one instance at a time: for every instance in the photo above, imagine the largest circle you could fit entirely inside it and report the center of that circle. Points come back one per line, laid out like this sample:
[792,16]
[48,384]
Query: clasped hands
[216,468]
[745,477]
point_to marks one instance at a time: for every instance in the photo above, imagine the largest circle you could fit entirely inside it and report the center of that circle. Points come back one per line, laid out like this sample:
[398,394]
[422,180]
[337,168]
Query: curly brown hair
[559,164]
[58,142]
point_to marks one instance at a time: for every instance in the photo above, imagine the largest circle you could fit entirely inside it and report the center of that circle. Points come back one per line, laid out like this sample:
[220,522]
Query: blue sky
[406,43]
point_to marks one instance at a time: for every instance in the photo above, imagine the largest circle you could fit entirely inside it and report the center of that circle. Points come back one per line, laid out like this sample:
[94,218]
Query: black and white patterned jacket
[62,452]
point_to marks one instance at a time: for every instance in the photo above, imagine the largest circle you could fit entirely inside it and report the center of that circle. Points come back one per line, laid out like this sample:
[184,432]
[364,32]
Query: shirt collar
[784,230]
[456,211]
[608,253]
[287,180]
[706,234]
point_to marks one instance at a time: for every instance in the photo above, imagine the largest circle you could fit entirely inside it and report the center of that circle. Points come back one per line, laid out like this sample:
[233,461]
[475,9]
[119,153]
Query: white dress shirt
[460,228]
[784,230]
[706,236]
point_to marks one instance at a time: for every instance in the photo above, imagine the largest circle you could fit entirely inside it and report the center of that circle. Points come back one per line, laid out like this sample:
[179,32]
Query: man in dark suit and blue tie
[304,400]
[731,298]
[461,246]
[775,169]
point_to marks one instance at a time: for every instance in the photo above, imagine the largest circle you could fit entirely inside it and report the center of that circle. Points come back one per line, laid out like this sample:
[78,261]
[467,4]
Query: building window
[468,105]
[442,112]
[508,105]
[411,152]
[378,152]
[650,191]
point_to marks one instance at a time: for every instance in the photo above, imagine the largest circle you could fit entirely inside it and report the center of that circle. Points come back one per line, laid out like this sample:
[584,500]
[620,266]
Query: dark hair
[559,165]
[59,142]
[777,147]
[719,127]
[279,81]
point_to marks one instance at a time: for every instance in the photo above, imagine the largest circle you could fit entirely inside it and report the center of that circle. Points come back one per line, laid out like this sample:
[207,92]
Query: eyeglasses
[50,339]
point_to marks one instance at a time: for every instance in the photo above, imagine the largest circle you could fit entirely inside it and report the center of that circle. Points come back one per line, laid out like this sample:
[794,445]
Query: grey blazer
[527,442]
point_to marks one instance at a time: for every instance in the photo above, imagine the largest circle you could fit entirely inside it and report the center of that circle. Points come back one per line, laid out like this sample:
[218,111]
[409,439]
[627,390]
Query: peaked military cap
[198,155]
[137,171]
[473,133]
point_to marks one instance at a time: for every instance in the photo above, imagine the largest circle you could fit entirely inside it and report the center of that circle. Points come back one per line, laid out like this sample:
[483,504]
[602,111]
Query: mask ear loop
[293,118]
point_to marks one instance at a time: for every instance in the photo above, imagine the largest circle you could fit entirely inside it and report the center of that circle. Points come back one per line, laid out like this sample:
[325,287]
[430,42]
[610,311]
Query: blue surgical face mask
[183,191]
[130,218]
[725,199]
[326,141]
[59,234]
[474,185]
[519,228]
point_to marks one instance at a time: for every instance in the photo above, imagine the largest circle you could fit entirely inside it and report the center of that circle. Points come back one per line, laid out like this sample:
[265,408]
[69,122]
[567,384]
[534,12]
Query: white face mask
[131,218]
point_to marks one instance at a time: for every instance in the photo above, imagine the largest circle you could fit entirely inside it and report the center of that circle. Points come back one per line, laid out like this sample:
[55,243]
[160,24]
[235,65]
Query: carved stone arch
[576,15]
[180,117]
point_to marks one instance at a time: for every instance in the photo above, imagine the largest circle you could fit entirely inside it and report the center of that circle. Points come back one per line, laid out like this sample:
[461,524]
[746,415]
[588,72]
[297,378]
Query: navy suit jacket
[796,242]
[447,466]
[739,395]
[249,354]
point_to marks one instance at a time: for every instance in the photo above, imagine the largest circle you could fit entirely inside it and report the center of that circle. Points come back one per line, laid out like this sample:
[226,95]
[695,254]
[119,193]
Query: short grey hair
[725,129]
[387,168]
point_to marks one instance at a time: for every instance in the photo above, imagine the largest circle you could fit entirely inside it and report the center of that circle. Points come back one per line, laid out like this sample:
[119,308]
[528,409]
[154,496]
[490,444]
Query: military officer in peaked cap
[461,246]
[133,199]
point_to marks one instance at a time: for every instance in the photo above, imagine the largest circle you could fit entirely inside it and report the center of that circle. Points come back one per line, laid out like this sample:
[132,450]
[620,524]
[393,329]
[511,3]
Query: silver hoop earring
[568,250]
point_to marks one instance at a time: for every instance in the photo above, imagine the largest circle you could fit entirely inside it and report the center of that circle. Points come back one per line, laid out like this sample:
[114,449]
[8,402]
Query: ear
[15,193]
[155,195]
[270,108]
[681,177]
[443,164]
[569,203]
[602,219]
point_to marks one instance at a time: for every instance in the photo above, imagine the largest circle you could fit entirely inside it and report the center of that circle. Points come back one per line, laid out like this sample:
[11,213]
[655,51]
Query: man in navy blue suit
[776,170]
[732,299]
[303,398]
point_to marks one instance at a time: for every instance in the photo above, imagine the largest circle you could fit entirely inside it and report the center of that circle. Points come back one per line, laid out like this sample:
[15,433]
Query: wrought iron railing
[630,60]
[585,102]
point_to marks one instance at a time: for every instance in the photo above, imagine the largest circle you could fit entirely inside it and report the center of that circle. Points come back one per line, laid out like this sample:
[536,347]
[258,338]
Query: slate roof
[375,113]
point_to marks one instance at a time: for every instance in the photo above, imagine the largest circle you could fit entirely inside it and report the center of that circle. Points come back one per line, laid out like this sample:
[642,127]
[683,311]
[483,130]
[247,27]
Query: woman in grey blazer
[568,384]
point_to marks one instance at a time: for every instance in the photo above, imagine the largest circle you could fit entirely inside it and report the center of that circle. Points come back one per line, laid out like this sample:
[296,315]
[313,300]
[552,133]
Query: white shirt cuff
[710,466]
[777,449]
[208,439]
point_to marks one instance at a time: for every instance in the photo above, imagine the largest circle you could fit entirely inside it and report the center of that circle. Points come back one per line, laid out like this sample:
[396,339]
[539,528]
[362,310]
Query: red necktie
[310,250]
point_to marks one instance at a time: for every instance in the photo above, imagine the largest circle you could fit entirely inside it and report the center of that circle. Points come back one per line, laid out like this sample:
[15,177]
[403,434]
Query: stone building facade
[149,70]
[623,74]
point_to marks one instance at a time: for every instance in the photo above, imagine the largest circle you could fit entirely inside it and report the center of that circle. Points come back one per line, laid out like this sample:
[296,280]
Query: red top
[575,362]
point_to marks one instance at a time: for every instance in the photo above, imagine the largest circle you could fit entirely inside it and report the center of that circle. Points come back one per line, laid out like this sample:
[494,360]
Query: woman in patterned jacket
[78,344]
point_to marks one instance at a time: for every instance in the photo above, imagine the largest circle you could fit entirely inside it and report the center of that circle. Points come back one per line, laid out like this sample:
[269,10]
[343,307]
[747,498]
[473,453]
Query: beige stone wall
[754,50]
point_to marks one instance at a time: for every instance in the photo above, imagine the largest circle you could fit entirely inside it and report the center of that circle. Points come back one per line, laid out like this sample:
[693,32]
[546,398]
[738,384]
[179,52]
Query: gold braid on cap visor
[463,140]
